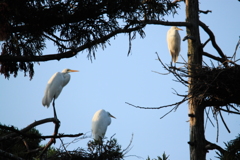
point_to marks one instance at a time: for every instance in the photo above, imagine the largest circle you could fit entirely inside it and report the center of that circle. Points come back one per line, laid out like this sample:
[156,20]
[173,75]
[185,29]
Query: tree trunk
[196,111]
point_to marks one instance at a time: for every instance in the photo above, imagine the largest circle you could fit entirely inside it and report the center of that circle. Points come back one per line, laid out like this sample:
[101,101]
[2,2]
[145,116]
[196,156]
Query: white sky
[115,78]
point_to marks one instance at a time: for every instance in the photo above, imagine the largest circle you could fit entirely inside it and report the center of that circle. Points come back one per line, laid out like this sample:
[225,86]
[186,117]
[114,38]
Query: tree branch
[165,23]
[68,54]
[205,12]
[24,130]
[212,146]
[9,155]
[212,37]
[52,140]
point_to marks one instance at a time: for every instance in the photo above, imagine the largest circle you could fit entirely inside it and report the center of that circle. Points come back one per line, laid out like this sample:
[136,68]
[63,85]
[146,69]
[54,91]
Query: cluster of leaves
[72,25]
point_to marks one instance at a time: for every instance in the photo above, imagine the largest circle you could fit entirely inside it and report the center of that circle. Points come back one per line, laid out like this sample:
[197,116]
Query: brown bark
[196,110]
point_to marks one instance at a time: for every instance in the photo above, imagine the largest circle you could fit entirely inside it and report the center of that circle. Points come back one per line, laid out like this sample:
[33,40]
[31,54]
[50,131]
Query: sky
[114,79]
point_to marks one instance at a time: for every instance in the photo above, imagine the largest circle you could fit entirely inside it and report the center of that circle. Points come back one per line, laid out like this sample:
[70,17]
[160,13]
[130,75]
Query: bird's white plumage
[174,42]
[100,121]
[55,86]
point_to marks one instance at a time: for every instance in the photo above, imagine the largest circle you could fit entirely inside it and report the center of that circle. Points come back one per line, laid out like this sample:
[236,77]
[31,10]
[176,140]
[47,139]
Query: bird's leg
[54,110]
[171,65]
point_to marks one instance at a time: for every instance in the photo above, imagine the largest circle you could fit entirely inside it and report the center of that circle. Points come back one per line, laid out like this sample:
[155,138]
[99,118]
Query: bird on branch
[55,86]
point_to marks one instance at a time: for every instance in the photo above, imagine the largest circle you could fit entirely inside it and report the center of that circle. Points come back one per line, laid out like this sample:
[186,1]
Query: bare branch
[211,146]
[224,122]
[24,130]
[213,57]
[212,37]
[52,140]
[235,52]
[229,111]
[203,45]
[205,12]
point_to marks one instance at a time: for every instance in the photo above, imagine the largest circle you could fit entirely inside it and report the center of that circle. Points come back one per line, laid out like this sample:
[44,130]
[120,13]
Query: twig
[204,44]
[224,122]
[205,12]
[174,104]
[209,119]
[217,128]
[127,149]
[235,52]
[229,111]
[65,148]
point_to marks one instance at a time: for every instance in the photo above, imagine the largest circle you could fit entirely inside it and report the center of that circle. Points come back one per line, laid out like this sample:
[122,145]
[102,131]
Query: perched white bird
[55,86]
[174,42]
[100,121]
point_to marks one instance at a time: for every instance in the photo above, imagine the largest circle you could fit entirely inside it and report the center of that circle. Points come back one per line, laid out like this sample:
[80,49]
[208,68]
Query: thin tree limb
[212,146]
[205,12]
[224,122]
[212,37]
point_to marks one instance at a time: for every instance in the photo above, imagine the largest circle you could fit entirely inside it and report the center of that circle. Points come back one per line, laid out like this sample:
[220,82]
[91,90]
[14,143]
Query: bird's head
[69,70]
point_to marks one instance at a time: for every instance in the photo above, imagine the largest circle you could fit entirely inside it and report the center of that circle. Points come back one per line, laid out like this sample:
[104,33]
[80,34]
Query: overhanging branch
[71,53]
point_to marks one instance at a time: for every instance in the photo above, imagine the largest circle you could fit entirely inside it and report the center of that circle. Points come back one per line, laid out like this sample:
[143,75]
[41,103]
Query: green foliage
[72,25]
[164,157]
[110,150]
[20,146]
[232,150]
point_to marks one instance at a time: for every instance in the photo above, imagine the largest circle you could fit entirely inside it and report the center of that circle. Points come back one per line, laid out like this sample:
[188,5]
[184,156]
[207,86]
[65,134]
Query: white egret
[100,121]
[174,42]
[55,86]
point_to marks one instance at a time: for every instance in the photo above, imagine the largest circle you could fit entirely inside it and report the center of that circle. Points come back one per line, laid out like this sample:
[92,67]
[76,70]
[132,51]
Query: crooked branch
[212,146]
[212,37]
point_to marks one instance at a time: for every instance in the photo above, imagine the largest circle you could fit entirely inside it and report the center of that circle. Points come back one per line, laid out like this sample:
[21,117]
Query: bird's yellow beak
[112,116]
[179,29]
[73,71]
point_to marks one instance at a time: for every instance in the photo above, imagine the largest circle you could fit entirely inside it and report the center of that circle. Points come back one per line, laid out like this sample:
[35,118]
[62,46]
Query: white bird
[100,121]
[174,42]
[55,86]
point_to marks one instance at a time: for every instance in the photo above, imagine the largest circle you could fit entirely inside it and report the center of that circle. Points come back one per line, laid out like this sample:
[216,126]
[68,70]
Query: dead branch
[224,122]
[213,57]
[212,37]
[65,148]
[23,134]
[52,140]
[24,130]
[204,44]
[212,146]
[174,104]
[208,118]
[235,52]
[228,111]
[205,12]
